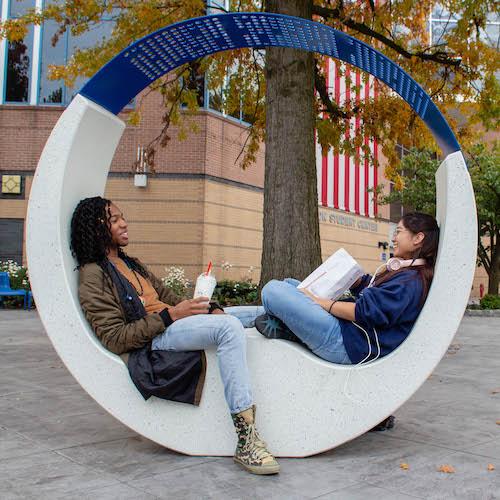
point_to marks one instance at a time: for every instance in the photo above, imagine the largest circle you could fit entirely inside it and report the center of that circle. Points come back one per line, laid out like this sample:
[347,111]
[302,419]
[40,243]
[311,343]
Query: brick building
[199,205]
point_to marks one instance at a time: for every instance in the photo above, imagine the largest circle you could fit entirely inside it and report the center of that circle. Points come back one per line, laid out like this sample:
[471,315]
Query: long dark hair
[420,223]
[91,235]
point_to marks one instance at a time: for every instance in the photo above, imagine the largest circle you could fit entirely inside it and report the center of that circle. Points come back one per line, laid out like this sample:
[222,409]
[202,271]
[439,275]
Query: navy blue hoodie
[391,308]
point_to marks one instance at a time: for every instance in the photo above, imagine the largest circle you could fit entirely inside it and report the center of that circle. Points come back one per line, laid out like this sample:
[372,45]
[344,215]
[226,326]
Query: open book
[335,276]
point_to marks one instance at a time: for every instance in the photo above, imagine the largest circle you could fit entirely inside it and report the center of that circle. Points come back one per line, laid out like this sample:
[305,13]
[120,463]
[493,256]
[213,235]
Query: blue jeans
[317,328]
[226,332]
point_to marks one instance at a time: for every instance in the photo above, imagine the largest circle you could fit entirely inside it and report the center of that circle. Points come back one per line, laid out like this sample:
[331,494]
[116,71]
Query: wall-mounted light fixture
[141,169]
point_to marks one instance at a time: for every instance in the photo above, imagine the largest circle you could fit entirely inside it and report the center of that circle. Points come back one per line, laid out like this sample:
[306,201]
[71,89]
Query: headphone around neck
[395,264]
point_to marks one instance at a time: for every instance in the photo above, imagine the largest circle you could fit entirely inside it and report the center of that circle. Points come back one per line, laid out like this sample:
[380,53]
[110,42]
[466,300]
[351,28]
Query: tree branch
[336,13]
[254,116]
[484,257]
[163,138]
[333,109]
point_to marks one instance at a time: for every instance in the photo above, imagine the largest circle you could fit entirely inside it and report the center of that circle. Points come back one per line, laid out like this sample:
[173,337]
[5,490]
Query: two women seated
[162,337]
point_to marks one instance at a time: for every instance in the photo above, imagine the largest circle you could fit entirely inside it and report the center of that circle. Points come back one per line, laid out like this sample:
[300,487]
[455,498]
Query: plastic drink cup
[205,286]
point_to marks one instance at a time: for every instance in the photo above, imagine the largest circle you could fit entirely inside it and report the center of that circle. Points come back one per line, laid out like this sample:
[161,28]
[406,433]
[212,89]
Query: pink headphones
[395,264]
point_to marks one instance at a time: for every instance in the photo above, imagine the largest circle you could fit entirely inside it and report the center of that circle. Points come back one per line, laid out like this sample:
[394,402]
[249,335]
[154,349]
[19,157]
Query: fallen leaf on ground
[449,469]
[491,467]
[404,466]
[453,348]
[495,391]
[498,422]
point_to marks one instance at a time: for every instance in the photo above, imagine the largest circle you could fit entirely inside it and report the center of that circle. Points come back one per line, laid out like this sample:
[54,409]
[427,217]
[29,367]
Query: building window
[54,91]
[11,243]
[25,79]
[216,98]
[51,91]
[19,7]
[17,86]
[19,59]
[443,22]
[196,82]
[88,39]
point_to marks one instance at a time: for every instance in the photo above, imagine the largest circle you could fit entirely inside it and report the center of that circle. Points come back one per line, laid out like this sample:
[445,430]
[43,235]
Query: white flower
[175,278]
[226,266]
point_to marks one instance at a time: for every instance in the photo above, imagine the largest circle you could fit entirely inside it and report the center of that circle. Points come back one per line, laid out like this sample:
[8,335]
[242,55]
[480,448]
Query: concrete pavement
[56,442]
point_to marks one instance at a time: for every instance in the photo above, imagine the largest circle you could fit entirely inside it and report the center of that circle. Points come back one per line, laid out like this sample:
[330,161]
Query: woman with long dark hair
[161,335]
[382,314]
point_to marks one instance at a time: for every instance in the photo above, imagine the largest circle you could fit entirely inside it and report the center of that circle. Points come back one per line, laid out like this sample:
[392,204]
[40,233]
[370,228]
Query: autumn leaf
[134,117]
[495,391]
[404,466]
[491,467]
[498,422]
[448,469]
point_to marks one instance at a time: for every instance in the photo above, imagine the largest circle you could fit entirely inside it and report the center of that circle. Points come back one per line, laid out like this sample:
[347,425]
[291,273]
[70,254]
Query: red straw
[209,268]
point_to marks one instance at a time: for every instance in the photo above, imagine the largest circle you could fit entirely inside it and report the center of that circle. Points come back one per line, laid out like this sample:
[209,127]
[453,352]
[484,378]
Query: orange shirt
[149,296]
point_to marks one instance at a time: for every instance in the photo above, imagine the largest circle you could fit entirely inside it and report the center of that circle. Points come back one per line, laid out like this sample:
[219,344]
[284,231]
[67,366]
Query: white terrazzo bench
[305,405]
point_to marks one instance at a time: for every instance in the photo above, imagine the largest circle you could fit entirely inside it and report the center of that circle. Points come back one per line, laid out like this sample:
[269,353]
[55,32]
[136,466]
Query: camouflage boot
[251,452]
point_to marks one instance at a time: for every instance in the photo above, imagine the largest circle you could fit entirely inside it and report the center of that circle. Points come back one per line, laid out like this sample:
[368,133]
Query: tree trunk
[291,246]
[494,274]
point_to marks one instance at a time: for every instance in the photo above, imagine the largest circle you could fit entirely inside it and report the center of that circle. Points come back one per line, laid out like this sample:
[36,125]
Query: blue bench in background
[7,291]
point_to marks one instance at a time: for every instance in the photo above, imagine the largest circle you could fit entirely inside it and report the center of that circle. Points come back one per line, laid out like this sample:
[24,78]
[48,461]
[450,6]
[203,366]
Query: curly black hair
[91,235]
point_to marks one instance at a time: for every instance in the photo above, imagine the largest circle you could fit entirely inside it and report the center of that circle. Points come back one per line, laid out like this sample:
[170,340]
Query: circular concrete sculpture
[306,405]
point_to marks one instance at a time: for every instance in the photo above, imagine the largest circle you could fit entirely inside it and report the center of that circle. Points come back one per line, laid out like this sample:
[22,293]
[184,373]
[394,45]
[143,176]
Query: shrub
[490,301]
[177,281]
[235,293]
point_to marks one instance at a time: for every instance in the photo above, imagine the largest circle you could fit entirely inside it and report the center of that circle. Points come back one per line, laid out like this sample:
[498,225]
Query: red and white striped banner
[343,181]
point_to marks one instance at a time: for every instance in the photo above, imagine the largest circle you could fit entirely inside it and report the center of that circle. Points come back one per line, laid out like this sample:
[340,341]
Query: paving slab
[14,445]
[471,479]
[130,459]
[491,449]
[57,443]
[362,491]
[47,473]
[59,432]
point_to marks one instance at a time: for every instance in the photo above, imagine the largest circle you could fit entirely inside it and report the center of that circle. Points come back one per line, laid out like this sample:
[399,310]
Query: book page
[335,276]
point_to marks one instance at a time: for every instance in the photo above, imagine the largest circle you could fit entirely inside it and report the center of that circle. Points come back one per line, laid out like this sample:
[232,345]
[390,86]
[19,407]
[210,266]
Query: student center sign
[347,221]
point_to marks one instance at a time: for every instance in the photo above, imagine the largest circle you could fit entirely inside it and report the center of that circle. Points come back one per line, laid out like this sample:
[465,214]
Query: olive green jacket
[101,304]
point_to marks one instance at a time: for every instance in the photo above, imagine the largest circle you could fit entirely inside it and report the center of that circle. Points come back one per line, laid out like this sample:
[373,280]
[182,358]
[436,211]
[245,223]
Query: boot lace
[259,446]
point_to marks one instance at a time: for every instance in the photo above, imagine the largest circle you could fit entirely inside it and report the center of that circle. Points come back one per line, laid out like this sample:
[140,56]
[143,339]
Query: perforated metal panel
[168,48]
[136,67]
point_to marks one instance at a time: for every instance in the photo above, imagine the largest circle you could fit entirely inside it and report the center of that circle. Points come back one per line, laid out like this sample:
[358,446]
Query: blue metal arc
[151,57]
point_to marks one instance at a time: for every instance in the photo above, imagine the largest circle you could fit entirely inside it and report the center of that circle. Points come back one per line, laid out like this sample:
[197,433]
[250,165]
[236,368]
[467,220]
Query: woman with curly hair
[160,335]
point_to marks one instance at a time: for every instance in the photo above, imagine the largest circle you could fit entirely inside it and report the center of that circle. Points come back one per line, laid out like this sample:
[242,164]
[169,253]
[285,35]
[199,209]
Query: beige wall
[189,222]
